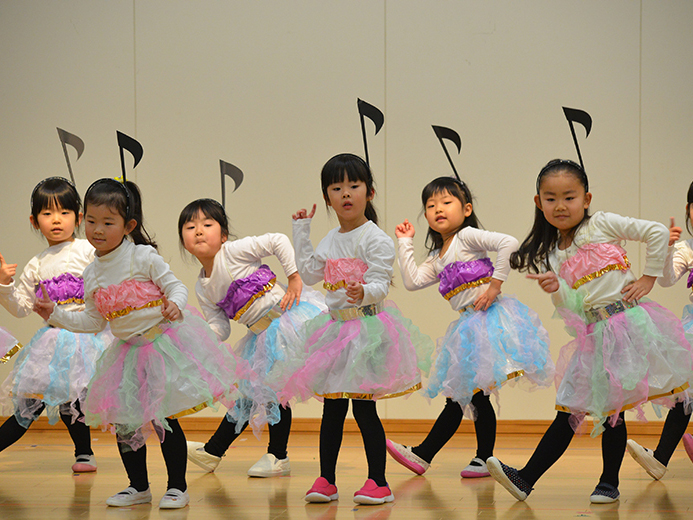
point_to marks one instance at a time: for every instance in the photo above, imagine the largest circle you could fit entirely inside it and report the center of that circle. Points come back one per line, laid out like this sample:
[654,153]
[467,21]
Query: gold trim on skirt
[368,397]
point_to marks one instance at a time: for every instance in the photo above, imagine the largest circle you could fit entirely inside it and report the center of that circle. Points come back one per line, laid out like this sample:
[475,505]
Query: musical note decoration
[74,141]
[578,116]
[229,170]
[125,142]
[375,115]
[443,132]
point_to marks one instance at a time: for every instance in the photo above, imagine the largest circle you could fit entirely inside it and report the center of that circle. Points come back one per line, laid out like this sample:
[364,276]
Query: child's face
[105,228]
[202,237]
[445,213]
[563,200]
[56,224]
[348,199]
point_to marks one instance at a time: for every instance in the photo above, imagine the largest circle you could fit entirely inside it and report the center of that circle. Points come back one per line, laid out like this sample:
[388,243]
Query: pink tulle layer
[130,293]
[635,356]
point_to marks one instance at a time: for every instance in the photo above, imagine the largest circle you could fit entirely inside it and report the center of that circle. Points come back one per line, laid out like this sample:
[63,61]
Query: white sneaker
[84,464]
[270,466]
[174,499]
[198,455]
[646,459]
[476,469]
[129,497]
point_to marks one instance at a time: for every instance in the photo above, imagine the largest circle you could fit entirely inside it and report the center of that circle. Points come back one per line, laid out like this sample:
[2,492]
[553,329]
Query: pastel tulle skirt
[687,319]
[617,364]
[483,350]
[269,354]
[54,369]
[375,357]
[172,370]
[7,342]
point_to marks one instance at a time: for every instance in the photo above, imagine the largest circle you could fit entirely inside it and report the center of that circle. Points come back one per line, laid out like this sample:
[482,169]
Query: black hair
[354,169]
[210,208]
[55,192]
[123,198]
[689,201]
[534,251]
[457,189]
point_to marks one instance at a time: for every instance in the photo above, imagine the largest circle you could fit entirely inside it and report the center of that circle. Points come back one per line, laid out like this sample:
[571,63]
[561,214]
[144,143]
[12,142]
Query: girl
[234,284]
[52,371]
[625,352]
[679,262]
[159,368]
[495,339]
[363,349]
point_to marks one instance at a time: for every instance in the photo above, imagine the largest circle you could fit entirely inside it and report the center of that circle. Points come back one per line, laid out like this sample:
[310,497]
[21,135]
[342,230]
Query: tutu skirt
[482,350]
[269,354]
[172,370]
[54,369]
[635,356]
[687,319]
[374,357]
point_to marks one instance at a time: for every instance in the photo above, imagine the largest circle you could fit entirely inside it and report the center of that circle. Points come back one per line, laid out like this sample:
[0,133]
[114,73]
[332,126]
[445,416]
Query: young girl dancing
[495,339]
[234,284]
[161,367]
[363,349]
[52,371]
[625,352]
[678,263]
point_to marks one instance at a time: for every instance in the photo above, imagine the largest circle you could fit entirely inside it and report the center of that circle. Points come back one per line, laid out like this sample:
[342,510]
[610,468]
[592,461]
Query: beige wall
[272,88]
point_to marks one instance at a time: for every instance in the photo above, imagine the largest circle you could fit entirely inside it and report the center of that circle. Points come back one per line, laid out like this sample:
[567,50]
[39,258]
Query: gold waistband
[369,397]
[153,332]
[341,284]
[11,353]
[79,301]
[604,313]
[355,313]
[264,322]
[602,272]
[127,310]
[457,290]
[265,289]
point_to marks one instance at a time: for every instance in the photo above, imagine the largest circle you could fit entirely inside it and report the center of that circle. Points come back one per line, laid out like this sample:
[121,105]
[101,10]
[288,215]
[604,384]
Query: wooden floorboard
[37,484]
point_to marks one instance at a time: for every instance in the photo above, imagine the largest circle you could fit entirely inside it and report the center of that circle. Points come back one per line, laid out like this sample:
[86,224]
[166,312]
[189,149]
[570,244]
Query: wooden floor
[36,483]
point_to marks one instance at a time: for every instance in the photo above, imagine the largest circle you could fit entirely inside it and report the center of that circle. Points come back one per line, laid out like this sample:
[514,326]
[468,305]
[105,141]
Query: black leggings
[11,431]
[556,440]
[278,435]
[674,428]
[332,429]
[174,449]
[449,420]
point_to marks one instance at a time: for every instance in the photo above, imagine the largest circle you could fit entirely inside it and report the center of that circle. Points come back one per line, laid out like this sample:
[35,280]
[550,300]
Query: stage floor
[36,483]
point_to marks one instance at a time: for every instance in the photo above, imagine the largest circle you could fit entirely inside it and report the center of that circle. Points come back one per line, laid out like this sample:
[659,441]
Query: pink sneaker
[406,457]
[688,445]
[371,493]
[322,491]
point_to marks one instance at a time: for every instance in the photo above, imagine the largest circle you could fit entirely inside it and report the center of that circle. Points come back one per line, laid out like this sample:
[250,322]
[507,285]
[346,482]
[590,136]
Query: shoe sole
[83,468]
[637,452]
[372,501]
[319,498]
[258,474]
[601,499]
[173,505]
[130,503]
[411,466]
[499,475]
[474,474]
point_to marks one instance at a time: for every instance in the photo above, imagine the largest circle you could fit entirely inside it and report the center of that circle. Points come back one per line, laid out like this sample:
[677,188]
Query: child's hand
[484,301]
[547,281]
[638,288]
[404,230]
[303,213]
[293,292]
[7,271]
[674,232]
[43,306]
[170,310]
[354,292]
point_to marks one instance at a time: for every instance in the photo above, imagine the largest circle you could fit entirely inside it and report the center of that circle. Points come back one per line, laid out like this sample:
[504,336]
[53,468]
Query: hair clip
[131,145]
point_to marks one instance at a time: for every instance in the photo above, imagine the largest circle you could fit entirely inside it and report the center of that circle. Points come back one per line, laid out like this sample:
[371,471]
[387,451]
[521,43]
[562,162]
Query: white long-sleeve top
[66,257]
[239,259]
[127,262]
[367,242]
[467,245]
[614,229]
[678,263]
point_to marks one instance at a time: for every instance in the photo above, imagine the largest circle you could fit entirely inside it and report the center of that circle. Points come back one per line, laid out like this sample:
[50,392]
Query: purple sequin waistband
[242,293]
[462,274]
[63,289]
